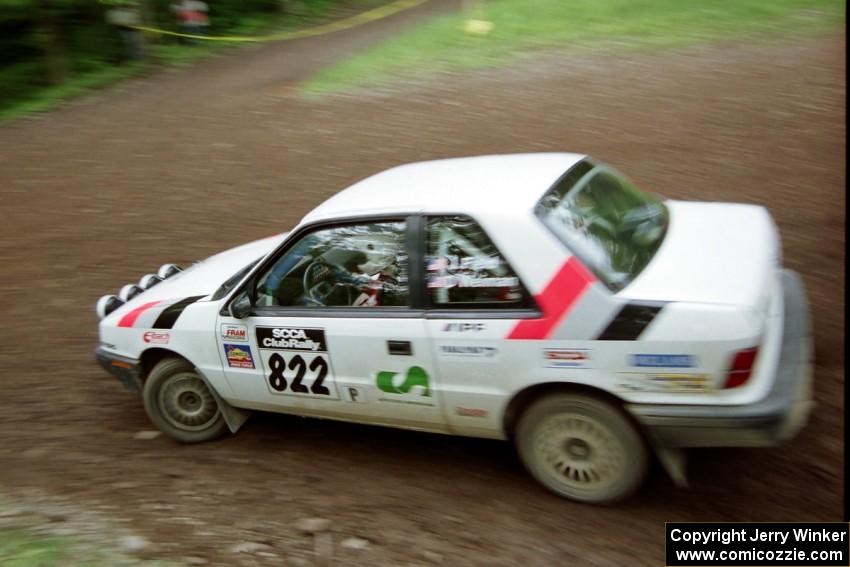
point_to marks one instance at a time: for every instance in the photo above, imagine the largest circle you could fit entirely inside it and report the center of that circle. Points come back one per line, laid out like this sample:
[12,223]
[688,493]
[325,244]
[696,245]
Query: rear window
[613,228]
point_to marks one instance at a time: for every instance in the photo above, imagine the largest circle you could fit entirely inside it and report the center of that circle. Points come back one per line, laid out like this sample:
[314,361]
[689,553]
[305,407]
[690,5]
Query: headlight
[129,291]
[168,270]
[149,280]
[107,304]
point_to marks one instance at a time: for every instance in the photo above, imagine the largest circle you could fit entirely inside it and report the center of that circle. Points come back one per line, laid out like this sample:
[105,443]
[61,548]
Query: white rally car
[539,298]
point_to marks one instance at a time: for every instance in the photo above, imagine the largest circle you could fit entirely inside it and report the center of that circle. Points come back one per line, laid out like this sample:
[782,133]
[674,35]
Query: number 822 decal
[296,362]
[279,383]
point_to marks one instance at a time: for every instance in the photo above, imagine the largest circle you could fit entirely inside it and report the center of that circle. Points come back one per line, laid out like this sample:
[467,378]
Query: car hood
[204,277]
[712,253]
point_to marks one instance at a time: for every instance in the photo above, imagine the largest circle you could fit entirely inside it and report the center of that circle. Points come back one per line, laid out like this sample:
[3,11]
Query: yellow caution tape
[362,18]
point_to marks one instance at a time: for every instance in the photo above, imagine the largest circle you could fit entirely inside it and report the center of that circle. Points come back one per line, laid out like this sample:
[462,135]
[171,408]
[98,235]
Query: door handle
[402,348]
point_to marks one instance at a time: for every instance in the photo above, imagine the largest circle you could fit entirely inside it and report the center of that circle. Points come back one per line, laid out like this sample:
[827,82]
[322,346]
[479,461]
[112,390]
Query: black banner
[291,338]
[745,544]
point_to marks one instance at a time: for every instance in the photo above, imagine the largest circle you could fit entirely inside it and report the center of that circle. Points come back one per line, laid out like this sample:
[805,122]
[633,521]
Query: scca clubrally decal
[296,362]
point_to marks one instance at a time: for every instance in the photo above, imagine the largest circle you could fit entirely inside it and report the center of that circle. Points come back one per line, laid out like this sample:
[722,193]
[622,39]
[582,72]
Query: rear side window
[465,270]
[612,227]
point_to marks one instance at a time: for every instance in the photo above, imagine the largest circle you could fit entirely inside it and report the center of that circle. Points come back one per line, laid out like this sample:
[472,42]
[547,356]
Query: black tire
[582,448]
[179,402]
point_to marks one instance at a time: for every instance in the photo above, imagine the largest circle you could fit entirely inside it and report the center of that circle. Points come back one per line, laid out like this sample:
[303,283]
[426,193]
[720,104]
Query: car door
[332,331]
[473,299]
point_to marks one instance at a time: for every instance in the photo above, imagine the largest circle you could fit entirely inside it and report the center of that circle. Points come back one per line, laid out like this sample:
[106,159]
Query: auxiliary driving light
[168,270]
[107,304]
[149,280]
[129,291]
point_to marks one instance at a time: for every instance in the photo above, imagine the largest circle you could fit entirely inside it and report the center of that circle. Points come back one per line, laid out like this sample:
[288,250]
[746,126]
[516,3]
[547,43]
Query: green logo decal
[416,376]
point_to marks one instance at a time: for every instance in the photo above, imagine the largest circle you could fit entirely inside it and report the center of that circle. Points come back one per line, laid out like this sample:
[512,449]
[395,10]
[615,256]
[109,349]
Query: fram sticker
[239,356]
[234,333]
[662,360]
[157,338]
[566,358]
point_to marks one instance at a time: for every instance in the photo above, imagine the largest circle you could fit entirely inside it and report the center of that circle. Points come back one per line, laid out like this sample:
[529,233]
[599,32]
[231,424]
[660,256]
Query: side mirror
[242,307]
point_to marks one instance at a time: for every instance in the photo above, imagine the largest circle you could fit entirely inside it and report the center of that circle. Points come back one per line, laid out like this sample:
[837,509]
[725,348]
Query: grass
[21,548]
[50,97]
[29,540]
[523,26]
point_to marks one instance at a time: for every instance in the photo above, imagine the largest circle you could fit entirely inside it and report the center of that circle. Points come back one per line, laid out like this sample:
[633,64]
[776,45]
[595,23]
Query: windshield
[611,226]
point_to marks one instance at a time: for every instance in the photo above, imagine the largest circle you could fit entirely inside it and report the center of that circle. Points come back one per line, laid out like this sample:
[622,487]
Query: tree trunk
[55,52]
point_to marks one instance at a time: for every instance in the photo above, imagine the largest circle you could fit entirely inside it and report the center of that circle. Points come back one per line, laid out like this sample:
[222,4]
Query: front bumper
[770,421]
[127,370]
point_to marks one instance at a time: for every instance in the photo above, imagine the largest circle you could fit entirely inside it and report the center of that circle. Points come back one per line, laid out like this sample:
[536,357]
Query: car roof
[467,185]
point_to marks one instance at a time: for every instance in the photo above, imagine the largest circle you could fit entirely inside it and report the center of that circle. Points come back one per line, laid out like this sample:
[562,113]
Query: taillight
[742,367]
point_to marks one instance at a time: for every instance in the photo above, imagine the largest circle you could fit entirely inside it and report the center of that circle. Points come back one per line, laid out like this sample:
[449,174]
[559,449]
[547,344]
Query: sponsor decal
[453,262]
[462,327]
[471,412]
[234,333]
[441,282]
[296,362]
[352,394]
[662,360]
[566,358]
[239,356]
[413,388]
[156,338]
[291,338]
[664,382]
[468,351]
[556,300]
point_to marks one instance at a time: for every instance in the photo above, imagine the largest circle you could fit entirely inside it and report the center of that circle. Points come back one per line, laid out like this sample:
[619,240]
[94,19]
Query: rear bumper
[775,418]
[127,370]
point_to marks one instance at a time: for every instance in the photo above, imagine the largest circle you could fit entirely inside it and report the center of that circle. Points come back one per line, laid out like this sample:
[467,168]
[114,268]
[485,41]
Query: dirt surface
[182,164]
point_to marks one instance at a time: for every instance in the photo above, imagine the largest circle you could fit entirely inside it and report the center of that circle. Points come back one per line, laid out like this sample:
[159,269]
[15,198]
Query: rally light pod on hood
[149,280]
[107,304]
[168,270]
[129,291]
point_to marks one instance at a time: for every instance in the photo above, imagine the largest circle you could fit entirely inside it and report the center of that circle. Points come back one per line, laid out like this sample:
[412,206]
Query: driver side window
[357,265]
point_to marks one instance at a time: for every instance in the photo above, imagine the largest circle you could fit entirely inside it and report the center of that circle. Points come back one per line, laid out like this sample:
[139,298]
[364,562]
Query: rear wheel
[582,448]
[179,402]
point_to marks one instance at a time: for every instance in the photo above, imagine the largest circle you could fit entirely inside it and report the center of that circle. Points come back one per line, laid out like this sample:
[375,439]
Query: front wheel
[582,448]
[179,402]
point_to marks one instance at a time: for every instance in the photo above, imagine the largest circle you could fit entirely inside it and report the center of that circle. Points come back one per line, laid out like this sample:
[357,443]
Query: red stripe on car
[555,300]
[130,318]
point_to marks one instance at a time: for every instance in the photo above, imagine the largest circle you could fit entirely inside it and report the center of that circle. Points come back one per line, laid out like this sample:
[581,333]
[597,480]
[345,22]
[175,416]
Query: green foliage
[522,26]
